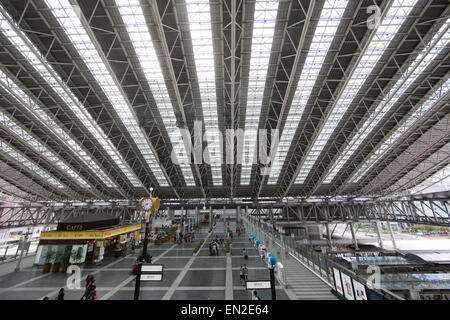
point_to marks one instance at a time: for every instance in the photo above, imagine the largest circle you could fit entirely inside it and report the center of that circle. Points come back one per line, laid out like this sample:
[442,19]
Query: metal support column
[392,234]
[330,242]
[210,217]
[355,242]
[380,240]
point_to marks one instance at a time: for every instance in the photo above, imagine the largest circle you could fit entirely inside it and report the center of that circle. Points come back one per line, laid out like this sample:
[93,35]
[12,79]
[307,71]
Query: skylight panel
[438,43]
[263,32]
[438,182]
[31,104]
[40,149]
[136,26]
[72,26]
[201,34]
[29,51]
[388,28]
[28,163]
[329,20]
[389,142]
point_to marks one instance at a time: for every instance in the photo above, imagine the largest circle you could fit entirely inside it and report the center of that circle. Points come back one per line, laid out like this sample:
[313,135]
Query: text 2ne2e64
[244,309]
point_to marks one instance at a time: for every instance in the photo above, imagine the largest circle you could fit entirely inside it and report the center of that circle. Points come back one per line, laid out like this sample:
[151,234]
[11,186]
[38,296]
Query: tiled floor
[186,276]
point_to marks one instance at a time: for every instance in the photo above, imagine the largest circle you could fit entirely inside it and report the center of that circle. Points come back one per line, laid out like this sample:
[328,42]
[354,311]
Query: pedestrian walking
[241,274]
[244,253]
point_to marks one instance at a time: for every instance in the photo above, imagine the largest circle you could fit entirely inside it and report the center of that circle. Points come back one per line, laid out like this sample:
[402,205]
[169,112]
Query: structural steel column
[210,216]
[224,220]
[330,242]
[197,215]
[392,235]
[238,214]
[355,242]
[380,240]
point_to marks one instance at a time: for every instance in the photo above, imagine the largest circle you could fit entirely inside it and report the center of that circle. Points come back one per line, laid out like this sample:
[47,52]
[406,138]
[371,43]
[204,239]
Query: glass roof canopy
[329,20]
[396,15]
[29,51]
[200,13]
[199,16]
[31,104]
[39,148]
[28,163]
[68,18]
[137,29]
[438,43]
[263,32]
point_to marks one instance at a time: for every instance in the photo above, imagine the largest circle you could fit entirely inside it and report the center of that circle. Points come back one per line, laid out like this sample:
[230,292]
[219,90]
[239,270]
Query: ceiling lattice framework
[106,108]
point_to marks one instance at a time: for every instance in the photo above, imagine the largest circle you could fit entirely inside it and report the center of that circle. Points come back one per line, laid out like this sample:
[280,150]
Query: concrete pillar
[355,242]
[392,235]
[380,240]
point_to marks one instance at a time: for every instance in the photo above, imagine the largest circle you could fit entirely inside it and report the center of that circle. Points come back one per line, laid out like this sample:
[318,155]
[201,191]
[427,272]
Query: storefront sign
[88,234]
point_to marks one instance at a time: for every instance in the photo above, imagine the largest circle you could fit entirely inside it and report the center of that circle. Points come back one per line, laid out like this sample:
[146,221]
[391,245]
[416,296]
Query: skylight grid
[73,27]
[439,42]
[40,149]
[28,163]
[201,34]
[29,51]
[388,28]
[440,181]
[137,29]
[329,20]
[389,142]
[263,31]
[30,103]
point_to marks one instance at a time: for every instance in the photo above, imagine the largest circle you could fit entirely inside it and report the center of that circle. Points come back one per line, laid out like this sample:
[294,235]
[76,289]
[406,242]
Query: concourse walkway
[187,276]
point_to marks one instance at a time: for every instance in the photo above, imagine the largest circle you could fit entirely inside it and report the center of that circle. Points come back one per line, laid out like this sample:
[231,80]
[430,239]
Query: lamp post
[144,257]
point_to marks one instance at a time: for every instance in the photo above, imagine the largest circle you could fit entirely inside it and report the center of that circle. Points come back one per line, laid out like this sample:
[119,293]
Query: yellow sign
[88,234]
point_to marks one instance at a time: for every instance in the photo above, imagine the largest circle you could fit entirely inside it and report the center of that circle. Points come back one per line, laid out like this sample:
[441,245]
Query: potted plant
[57,263]
[48,261]
[65,260]
[76,255]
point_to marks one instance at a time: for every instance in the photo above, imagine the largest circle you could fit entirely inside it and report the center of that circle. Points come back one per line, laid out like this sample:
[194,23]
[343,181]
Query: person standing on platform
[255,295]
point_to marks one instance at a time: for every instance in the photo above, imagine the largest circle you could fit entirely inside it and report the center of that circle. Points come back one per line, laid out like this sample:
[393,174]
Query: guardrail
[317,262]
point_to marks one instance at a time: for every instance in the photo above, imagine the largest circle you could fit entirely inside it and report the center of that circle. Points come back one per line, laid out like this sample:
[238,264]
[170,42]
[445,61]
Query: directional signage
[152,268]
[257,284]
[151,277]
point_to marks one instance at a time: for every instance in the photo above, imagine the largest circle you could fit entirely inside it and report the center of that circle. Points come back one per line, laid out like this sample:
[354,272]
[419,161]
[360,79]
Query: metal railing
[318,262]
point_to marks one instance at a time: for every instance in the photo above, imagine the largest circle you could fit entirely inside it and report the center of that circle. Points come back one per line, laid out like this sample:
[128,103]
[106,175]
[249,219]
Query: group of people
[186,237]
[90,293]
[243,274]
[214,247]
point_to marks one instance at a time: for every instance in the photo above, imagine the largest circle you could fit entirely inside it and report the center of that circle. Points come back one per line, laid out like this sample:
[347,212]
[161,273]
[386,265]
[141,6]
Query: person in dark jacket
[60,294]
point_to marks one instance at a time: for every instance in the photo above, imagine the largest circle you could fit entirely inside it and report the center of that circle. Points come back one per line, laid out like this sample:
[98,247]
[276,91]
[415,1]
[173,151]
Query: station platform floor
[187,276]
